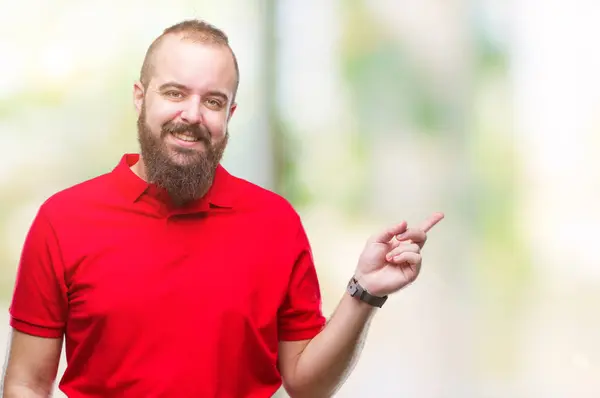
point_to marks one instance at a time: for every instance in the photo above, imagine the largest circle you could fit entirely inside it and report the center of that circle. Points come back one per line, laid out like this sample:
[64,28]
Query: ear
[138,96]
[232,109]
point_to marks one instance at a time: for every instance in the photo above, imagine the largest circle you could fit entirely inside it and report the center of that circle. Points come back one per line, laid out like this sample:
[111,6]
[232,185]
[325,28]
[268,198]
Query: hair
[194,30]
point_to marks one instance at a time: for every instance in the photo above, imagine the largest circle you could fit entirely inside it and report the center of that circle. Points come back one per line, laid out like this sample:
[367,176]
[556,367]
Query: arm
[31,367]
[38,315]
[318,367]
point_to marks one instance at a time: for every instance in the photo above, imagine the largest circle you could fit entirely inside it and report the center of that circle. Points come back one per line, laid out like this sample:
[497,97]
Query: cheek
[217,124]
[157,116]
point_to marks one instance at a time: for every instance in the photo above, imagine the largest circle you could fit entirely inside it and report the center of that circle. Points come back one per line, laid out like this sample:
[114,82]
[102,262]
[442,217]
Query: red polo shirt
[155,301]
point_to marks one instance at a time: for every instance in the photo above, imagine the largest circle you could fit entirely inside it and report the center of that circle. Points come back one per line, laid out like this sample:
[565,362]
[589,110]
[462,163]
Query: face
[183,116]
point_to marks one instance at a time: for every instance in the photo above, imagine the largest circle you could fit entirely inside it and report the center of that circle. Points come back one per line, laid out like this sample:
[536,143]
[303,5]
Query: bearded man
[169,277]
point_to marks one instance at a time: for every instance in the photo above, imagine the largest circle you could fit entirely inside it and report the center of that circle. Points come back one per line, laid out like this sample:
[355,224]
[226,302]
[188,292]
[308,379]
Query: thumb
[387,235]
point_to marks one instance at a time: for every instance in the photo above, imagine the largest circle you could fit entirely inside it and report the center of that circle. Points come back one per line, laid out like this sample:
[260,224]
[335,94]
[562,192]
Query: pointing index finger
[389,233]
[431,221]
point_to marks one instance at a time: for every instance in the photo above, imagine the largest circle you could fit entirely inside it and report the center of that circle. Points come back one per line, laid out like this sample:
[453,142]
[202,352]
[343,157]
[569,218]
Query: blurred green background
[363,113]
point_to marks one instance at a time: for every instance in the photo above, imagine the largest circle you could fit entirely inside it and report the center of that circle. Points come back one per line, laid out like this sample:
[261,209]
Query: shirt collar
[220,194]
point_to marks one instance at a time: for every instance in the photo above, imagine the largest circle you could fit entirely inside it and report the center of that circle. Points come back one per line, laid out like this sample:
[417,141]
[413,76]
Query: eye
[174,94]
[213,103]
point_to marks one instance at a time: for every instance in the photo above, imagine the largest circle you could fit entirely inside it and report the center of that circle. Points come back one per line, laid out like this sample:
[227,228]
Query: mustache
[199,131]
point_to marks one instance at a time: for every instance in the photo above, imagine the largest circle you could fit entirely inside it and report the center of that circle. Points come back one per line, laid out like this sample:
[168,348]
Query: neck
[139,169]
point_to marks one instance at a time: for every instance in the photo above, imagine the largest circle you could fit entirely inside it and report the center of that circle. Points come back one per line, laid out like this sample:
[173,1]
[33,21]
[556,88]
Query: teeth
[185,137]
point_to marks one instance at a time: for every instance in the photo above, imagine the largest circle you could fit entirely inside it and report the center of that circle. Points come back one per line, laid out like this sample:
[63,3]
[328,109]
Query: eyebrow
[173,85]
[182,87]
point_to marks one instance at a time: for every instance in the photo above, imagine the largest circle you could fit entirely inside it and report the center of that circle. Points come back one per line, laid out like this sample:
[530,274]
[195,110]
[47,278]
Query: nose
[192,113]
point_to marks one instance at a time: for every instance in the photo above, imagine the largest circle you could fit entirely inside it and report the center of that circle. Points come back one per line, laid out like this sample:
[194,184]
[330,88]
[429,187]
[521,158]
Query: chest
[195,270]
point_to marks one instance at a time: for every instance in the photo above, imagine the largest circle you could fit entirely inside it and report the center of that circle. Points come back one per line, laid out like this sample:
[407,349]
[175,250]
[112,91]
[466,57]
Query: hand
[392,259]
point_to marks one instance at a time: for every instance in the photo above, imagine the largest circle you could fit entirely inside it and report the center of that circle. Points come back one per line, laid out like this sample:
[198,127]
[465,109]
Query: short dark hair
[192,29]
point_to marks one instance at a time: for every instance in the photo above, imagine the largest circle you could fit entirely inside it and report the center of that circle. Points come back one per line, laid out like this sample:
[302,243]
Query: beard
[185,173]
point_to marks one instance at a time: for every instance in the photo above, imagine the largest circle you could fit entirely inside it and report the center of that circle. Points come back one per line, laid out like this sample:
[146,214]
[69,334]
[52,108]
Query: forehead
[199,66]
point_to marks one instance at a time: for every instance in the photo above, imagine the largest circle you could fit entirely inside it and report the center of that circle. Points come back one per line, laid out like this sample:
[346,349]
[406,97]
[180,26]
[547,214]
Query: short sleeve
[39,303]
[300,316]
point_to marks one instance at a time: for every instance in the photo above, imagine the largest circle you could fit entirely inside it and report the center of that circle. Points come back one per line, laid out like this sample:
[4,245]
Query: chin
[183,157]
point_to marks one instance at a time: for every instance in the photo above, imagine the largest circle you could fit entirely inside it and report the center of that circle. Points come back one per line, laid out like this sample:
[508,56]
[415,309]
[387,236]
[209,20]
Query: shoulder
[77,197]
[273,210]
[251,196]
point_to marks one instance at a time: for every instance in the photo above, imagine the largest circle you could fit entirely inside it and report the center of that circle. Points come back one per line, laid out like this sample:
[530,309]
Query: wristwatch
[357,291]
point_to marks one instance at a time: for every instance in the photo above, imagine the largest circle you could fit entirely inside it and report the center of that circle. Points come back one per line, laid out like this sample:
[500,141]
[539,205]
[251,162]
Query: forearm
[13,386]
[329,358]
[13,390]
[31,366]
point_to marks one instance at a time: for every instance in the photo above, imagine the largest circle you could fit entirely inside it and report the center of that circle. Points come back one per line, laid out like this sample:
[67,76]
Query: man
[169,277]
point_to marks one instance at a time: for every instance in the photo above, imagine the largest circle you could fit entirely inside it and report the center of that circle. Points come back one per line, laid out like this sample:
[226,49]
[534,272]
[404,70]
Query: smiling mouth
[186,137]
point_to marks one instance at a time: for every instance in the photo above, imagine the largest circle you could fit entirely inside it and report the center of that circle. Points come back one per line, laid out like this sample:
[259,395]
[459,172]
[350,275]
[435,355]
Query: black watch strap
[357,291]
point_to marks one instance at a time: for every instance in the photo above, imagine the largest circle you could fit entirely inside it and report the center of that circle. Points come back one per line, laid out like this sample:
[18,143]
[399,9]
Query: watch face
[352,289]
